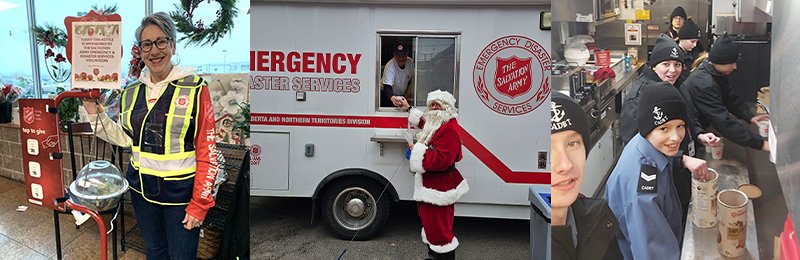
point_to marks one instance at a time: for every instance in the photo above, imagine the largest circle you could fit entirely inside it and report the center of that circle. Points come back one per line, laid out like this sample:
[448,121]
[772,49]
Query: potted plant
[67,110]
[8,96]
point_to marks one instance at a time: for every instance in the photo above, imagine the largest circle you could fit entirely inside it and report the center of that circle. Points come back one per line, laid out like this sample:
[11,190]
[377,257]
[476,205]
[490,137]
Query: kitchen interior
[599,50]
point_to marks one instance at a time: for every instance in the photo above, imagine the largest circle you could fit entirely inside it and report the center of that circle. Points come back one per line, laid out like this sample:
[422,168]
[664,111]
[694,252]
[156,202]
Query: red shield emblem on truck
[513,76]
[28,115]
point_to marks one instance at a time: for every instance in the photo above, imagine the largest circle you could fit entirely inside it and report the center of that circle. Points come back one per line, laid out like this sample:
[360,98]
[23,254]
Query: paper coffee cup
[716,152]
[763,128]
[732,226]
[704,200]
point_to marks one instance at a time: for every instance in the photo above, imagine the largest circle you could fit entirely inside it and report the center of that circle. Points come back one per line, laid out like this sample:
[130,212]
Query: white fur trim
[441,96]
[414,117]
[440,249]
[435,197]
[417,155]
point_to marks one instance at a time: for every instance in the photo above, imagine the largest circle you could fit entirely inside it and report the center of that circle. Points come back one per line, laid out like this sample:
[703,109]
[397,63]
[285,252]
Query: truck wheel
[352,208]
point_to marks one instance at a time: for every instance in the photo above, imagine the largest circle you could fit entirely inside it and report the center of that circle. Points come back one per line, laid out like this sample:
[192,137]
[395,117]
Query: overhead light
[7,5]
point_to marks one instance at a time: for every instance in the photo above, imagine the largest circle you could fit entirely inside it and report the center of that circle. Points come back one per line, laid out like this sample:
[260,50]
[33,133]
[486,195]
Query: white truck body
[502,136]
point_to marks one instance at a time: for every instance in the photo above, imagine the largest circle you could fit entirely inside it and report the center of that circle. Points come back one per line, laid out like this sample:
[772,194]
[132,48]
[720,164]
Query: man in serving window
[396,77]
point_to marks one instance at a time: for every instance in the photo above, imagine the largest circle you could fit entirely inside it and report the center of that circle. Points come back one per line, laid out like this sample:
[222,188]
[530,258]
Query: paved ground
[30,234]
[281,228]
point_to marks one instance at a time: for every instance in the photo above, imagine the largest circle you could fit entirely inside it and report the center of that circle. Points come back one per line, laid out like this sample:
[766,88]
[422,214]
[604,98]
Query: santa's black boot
[431,254]
[447,256]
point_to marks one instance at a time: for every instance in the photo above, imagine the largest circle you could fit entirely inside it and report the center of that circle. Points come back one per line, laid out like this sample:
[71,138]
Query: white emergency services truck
[319,130]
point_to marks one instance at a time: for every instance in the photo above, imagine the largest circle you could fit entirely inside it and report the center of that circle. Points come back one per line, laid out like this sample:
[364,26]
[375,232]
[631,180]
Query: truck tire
[352,210]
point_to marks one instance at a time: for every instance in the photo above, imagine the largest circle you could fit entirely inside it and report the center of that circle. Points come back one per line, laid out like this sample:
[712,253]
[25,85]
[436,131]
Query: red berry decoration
[91,31]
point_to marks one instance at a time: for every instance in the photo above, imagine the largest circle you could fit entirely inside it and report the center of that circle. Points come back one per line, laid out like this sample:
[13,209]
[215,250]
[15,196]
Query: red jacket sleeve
[206,151]
[446,149]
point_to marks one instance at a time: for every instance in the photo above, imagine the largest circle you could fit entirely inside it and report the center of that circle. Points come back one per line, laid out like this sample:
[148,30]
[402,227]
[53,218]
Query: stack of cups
[732,227]
[704,200]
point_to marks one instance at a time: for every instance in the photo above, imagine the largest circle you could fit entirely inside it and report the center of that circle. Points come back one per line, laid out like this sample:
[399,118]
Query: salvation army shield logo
[512,75]
[182,101]
[28,115]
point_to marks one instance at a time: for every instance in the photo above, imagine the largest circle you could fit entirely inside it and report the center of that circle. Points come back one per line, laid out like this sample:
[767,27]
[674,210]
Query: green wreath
[196,32]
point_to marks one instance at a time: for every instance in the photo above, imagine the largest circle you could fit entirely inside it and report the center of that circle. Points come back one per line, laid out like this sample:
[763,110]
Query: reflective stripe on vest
[164,166]
[168,155]
[128,97]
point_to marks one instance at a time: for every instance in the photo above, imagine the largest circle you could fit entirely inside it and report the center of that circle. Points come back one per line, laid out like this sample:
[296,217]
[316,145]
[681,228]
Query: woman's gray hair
[160,19]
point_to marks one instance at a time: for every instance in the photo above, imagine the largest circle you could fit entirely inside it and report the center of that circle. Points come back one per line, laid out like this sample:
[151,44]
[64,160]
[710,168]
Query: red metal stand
[100,223]
[78,93]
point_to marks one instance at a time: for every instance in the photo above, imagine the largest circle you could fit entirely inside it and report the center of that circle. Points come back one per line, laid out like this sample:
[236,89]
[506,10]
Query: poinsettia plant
[136,64]
[11,93]
[54,40]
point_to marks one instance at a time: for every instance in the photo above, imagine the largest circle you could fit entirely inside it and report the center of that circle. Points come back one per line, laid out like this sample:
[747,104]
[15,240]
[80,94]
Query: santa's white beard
[433,120]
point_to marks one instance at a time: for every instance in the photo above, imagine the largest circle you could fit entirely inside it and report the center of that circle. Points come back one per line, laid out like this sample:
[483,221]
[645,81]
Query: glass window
[54,11]
[231,49]
[436,64]
[229,55]
[15,54]
[434,59]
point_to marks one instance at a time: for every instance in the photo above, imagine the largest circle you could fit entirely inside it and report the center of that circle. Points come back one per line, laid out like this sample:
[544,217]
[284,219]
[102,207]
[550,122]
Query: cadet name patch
[647,179]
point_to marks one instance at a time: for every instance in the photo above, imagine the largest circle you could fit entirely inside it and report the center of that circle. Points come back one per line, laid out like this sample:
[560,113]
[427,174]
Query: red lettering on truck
[305,62]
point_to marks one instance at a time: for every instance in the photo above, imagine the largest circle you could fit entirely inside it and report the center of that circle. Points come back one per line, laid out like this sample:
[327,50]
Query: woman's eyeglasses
[161,43]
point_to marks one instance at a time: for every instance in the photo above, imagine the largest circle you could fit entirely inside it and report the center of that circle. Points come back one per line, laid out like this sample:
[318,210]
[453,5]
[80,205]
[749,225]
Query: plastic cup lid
[750,190]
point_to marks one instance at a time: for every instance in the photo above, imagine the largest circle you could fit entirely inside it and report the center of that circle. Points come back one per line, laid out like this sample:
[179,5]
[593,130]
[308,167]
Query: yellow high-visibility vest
[163,160]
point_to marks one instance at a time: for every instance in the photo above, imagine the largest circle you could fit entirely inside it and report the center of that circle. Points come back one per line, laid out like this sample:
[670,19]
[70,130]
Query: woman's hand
[91,105]
[698,167]
[189,222]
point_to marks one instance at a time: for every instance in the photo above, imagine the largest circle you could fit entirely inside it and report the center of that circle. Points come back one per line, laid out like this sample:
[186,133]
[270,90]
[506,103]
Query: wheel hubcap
[353,208]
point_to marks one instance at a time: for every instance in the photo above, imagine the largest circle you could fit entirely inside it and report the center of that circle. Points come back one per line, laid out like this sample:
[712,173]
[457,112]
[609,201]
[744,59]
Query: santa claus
[437,182]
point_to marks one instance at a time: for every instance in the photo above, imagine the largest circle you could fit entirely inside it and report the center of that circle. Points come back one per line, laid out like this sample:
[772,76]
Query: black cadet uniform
[590,231]
[595,225]
[689,32]
[713,97]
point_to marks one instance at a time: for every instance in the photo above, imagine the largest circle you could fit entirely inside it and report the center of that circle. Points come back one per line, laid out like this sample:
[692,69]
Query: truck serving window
[433,58]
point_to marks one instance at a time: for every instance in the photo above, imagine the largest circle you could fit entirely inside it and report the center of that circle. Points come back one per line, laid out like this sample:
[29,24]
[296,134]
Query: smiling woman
[169,161]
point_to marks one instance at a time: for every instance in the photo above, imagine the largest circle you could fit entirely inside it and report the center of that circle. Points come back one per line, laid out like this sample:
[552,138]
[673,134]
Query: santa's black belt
[449,169]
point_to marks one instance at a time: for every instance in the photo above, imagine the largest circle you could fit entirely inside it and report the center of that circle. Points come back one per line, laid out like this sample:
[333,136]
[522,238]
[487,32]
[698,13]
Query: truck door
[270,150]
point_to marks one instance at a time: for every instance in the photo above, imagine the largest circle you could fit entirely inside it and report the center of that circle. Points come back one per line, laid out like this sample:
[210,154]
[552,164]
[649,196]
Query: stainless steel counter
[701,243]
[628,78]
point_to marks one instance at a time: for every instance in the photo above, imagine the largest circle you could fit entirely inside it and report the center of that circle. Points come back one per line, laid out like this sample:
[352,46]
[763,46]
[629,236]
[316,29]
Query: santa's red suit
[438,184]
